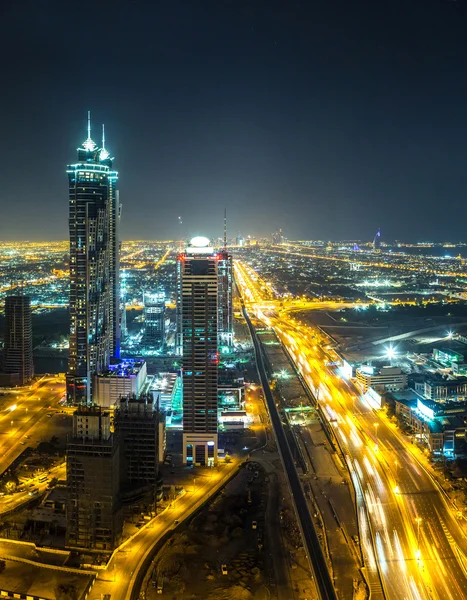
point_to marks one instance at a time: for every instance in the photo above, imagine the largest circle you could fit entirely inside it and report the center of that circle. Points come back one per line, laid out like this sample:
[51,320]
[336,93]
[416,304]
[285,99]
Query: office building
[441,426]
[94,519]
[123,377]
[18,363]
[94,215]
[137,424]
[154,319]
[197,270]
[225,303]
[386,378]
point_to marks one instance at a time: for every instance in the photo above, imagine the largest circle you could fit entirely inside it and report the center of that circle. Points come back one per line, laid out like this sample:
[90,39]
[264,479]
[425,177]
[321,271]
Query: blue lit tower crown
[94,267]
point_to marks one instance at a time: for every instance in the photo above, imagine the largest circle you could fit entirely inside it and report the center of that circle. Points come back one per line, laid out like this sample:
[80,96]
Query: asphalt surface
[310,537]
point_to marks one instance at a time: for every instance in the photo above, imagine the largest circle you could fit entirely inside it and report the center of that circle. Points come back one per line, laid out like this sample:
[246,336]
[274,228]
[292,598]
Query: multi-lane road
[408,531]
[24,416]
[310,537]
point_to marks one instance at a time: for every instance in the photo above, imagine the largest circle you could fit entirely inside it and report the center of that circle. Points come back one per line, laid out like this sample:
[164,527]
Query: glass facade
[94,215]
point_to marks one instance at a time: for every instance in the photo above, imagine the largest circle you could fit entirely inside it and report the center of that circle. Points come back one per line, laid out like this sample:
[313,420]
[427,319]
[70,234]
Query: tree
[227,459]
[66,591]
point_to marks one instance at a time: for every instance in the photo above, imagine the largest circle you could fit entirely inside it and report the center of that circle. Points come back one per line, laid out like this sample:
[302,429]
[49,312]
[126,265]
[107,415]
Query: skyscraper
[154,319]
[225,305]
[94,216]
[18,338]
[225,300]
[94,518]
[136,422]
[197,270]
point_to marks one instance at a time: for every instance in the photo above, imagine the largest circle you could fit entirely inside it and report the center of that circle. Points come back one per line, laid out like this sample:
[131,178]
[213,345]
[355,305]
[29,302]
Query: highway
[23,412]
[310,538]
[407,529]
[121,574]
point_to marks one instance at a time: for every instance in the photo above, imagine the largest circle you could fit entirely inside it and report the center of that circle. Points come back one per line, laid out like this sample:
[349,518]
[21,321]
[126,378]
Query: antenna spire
[104,154]
[89,145]
[225,228]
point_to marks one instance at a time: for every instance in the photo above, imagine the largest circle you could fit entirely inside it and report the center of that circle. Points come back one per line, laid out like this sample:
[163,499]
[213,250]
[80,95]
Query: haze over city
[233,300]
[328,119]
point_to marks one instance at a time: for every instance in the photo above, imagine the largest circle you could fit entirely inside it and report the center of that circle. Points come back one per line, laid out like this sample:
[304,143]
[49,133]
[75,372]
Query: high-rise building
[197,270]
[154,319]
[137,425]
[225,303]
[123,326]
[94,518]
[94,215]
[18,339]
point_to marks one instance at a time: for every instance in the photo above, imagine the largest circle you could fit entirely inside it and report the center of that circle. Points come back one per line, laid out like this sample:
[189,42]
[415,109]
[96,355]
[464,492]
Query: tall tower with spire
[94,216]
[225,299]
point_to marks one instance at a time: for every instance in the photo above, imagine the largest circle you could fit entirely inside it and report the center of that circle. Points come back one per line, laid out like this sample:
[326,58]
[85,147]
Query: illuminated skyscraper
[225,304]
[197,329]
[94,267]
[18,338]
[225,301]
[154,319]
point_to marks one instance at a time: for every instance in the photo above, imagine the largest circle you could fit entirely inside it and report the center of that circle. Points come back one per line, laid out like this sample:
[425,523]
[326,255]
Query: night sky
[328,118]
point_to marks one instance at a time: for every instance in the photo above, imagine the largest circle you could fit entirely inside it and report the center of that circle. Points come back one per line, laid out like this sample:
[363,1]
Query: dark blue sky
[330,118]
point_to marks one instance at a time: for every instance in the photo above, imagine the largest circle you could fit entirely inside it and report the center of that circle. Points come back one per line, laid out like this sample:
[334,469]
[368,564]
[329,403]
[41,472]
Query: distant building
[197,312]
[386,378]
[438,388]
[164,388]
[154,319]
[442,427]
[225,300]
[126,377]
[18,361]
[278,237]
[137,425]
[94,217]
[94,518]
[161,438]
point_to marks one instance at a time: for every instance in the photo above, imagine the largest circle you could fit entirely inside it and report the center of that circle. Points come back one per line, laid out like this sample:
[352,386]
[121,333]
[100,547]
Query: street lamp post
[376,425]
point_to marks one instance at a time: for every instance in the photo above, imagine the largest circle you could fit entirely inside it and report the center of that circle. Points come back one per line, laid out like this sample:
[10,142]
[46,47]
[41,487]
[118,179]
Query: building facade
[94,519]
[137,425]
[225,303]
[386,378]
[18,339]
[125,377]
[154,319]
[197,330]
[94,216]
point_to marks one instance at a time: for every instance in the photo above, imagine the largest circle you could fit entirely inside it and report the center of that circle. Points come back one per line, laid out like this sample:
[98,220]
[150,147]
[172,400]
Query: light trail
[391,527]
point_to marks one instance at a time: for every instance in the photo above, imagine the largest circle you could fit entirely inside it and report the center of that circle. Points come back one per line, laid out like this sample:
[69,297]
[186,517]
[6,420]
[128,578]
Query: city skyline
[327,121]
[271,400]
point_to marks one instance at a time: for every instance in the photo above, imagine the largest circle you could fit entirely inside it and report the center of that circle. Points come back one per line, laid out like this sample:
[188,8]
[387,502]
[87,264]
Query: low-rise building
[386,378]
[442,427]
[124,378]
[165,387]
